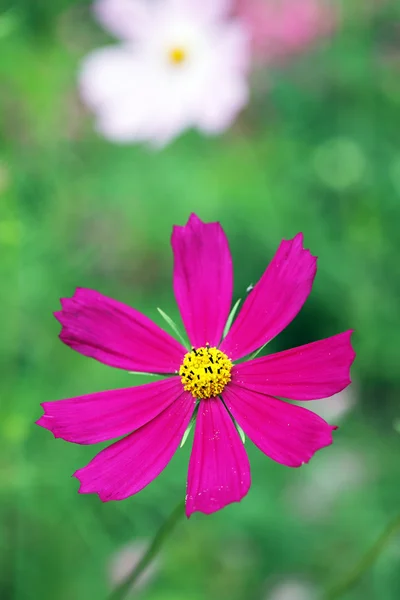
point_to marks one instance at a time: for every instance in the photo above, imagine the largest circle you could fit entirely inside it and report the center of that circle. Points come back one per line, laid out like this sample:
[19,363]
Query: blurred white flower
[182,64]
[126,559]
[335,408]
[328,479]
[292,589]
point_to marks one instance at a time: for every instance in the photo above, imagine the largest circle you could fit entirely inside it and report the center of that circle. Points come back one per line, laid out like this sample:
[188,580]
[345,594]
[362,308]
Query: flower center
[177,55]
[205,372]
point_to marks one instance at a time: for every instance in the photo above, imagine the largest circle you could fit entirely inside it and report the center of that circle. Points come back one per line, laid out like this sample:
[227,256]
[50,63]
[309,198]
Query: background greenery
[317,151]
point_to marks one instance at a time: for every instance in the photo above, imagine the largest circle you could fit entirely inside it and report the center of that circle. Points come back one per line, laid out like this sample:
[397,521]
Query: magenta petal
[274,301]
[219,470]
[116,334]
[99,417]
[287,433]
[316,370]
[203,279]
[130,464]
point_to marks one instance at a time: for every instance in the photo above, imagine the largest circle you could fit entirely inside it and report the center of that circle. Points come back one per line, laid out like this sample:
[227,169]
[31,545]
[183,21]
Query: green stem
[366,562]
[162,534]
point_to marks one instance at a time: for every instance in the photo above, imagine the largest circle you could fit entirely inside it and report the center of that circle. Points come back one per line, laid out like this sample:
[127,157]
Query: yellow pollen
[205,372]
[177,55]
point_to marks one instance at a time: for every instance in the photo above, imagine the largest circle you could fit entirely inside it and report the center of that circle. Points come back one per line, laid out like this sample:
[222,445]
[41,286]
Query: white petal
[205,10]
[293,589]
[108,74]
[219,110]
[127,19]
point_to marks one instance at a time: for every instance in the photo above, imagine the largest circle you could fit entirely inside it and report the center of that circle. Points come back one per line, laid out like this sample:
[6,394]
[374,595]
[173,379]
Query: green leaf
[257,352]
[173,326]
[189,427]
[143,373]
[240,431]
[231,317]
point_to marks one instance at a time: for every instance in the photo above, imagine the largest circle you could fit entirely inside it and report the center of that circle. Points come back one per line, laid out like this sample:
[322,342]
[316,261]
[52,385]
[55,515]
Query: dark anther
[192,372]
[210,369]
[219,371]
[212,360]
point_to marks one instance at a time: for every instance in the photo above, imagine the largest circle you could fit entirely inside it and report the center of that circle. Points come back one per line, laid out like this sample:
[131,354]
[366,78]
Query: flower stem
[162,534]
[366,561]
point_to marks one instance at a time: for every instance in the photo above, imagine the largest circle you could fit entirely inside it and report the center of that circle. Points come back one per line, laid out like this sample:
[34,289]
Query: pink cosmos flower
[181,64]
[153,418]
[281,28]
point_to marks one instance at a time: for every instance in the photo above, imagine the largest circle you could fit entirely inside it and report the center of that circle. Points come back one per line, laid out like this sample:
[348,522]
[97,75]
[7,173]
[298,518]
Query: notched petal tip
[64,304]
[69,301]
[298,238]
[328,441]
[352,354]
[83,293]
[45,421]
[287,433]
[325,444]
[193,222]
[317,370]
[297,243]
[83,488]
[190,510]
[194,219]
[275,300]
[349,355]
[58,315]
[68,306]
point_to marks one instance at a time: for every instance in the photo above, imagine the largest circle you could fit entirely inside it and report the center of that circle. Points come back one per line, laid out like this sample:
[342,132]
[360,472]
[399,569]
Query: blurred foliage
[317,150]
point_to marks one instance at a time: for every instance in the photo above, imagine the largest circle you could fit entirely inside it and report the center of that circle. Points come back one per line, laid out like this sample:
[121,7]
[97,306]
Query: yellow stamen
[177,55]
[205,372]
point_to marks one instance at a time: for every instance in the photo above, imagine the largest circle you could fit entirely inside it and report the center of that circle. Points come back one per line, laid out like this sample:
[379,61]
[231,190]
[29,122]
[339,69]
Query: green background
[317,150]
